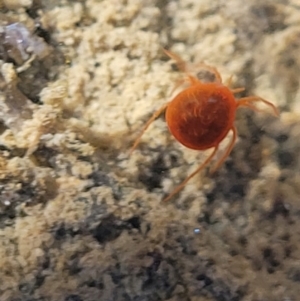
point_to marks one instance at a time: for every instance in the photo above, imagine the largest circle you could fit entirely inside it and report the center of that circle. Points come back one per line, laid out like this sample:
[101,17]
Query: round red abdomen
[200,116]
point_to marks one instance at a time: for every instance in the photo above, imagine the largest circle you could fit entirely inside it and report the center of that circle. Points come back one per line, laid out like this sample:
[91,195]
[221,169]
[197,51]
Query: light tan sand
[81,221]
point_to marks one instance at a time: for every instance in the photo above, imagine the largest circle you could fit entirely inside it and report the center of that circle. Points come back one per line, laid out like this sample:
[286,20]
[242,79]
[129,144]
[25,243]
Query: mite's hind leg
[227,152]
[248,102]
[151,119]
[180,186]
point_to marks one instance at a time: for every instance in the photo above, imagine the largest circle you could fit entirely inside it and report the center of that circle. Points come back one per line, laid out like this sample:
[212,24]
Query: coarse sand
[80,220]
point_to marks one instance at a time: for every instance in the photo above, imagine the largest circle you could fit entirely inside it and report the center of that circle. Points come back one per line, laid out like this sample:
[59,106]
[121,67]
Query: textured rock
[80,221]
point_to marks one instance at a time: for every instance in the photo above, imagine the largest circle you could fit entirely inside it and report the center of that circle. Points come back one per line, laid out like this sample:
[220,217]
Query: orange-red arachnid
[201,115]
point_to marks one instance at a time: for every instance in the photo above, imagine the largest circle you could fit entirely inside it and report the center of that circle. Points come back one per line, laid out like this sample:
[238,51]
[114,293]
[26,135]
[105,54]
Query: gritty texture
[82,221]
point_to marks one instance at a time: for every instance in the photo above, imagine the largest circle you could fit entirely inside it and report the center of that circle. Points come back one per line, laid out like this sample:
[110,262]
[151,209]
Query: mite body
[201,115]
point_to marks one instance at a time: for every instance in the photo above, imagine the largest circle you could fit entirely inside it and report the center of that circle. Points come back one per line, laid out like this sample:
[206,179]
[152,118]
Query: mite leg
[181,64]
[178,84]
[180,186]
[248,102]
[151,119]
[229,81]
[227,152]
[237,90]
[252,107]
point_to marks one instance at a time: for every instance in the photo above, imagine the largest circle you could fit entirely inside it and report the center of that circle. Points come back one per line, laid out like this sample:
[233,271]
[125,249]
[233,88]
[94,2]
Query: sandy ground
[80,220]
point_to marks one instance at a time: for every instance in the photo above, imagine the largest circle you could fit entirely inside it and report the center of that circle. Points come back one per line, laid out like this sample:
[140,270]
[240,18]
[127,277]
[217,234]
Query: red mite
[202,115]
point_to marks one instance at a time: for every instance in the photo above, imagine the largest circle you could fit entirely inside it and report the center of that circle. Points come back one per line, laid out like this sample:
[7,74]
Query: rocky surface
[82,221]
